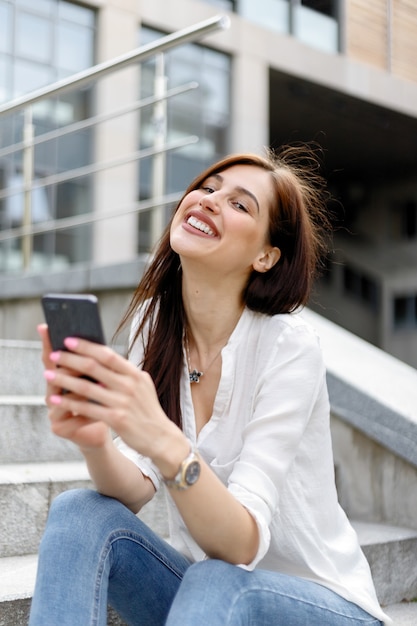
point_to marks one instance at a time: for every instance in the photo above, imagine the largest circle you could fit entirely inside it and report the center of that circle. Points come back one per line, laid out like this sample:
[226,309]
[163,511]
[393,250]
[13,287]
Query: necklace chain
[195,374]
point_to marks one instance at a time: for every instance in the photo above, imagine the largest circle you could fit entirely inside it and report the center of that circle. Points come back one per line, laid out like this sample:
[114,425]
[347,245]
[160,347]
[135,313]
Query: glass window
[76,13]
[33,37]
[273,14]
[45,40]
[315,28]
[40,6]
[228,5]
[74,48]
[30,76]
[5,27]
[4,83]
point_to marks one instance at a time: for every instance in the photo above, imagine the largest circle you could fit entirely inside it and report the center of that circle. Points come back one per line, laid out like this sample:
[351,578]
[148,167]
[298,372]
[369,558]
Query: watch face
[192,473]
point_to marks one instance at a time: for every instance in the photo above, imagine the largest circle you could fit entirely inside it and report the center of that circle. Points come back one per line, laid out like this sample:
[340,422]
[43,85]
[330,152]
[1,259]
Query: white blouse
[269,441]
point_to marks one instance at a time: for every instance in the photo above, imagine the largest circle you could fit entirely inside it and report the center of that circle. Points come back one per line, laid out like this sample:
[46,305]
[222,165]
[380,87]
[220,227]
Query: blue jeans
[95,551]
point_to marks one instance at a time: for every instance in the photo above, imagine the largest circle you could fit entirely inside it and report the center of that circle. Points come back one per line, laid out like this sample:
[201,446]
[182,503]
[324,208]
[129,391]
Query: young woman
[222,403]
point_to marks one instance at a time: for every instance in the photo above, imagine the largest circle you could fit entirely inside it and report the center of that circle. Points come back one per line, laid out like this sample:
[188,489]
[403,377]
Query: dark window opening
[409,219]
[361,287]
[327,7]
[405,312]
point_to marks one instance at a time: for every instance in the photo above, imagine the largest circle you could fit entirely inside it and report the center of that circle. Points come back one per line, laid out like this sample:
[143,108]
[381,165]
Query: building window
[327,7]
[40,43]
[405,312]
[315,22]
[228,5]
[360,287]
[409,220]
[203,112]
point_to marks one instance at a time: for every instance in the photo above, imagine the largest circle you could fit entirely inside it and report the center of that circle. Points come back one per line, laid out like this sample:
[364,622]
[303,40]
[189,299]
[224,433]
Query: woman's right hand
[83,432]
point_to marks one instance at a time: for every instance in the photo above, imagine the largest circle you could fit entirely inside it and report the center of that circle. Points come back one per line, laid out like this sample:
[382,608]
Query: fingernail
[71,342]
[55,399]
[49,374]
[54,356]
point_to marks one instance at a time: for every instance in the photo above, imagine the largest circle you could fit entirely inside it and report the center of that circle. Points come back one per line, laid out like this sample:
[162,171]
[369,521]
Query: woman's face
[225,222]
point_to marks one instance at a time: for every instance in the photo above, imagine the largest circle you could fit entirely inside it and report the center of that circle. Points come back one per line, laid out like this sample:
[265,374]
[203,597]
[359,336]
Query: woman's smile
[198,223]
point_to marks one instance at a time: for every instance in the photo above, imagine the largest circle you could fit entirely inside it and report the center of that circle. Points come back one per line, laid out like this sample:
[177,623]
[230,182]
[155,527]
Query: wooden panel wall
[366,31]
[367,35]
[404,40]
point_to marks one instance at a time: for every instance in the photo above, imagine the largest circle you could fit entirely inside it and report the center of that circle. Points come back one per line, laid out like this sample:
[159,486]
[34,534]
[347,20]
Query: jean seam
[111,540]
[372,620]
[147,545]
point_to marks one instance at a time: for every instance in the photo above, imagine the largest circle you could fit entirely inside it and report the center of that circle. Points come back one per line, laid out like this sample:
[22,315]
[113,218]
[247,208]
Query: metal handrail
[219,22]
[84,170]
[89,218]
[98,119]
[28,229]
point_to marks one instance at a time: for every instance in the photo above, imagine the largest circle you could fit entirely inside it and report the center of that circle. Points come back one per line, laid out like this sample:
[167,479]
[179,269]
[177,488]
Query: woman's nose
[210,202]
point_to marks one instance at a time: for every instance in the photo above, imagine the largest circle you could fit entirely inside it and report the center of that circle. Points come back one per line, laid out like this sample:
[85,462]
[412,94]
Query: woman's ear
[267,259]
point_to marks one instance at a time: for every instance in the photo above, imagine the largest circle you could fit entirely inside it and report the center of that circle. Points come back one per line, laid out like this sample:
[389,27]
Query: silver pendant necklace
[194,374]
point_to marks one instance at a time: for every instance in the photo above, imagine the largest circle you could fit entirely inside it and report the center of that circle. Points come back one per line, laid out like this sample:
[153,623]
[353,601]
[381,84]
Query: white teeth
[193,221]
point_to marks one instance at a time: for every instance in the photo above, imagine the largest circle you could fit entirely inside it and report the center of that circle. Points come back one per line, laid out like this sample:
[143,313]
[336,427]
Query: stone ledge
[369,389]
[76,279]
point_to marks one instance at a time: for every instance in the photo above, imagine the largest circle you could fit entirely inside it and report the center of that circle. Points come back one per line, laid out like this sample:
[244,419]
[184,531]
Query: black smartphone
[72,315]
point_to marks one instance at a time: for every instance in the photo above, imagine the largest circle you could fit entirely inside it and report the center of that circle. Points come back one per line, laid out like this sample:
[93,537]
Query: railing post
[27,186]
[159,159]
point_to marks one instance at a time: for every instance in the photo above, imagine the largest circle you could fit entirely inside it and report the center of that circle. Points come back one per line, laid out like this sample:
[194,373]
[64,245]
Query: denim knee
[71,502]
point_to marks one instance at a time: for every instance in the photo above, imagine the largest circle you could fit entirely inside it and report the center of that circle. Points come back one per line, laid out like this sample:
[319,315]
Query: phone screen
[72,315]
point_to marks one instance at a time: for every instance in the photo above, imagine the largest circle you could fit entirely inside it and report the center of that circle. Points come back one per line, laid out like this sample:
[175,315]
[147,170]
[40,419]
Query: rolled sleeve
[142,462]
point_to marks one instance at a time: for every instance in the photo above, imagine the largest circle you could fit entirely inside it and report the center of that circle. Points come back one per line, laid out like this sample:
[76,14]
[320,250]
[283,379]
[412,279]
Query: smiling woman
[223,403]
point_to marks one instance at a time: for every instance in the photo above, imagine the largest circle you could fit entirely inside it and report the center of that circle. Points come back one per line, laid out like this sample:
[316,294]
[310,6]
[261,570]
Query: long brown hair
[297,223]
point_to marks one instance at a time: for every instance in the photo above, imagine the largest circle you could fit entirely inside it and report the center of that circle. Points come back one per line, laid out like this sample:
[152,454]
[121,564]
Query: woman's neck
[212,313]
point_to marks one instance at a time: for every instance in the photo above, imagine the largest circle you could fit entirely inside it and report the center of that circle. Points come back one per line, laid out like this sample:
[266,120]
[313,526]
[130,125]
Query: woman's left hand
[123,397]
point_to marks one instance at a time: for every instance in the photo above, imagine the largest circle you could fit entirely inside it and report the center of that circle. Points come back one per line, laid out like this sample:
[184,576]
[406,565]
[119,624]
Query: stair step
[26,434]
[21,369]
[403,613]
[17,581]
[26,491]
[392,555]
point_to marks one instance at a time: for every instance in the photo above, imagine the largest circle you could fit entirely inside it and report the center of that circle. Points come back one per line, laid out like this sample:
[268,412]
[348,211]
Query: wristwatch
[188,472]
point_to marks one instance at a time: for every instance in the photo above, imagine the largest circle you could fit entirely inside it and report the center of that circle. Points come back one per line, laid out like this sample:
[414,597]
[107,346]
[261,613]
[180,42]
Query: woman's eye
[240,206]
[207,189]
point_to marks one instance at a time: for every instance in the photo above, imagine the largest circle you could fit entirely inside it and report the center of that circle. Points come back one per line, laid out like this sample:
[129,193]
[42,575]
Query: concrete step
[26,434]
[17,581]
[21,369]
[26,491]
[392,555]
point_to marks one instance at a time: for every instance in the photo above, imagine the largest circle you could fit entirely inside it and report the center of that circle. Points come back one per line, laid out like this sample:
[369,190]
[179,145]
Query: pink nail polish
[54,356]
[71,342]
[49,374]
[55,399]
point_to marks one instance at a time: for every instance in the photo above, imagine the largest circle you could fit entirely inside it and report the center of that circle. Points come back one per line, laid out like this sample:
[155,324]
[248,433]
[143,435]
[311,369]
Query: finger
[104,355]
[111,370]
[46,344]
[75,386]
[76,407]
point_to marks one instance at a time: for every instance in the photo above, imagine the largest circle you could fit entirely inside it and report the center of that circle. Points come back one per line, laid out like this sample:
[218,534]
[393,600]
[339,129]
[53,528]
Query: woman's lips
[201,223]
